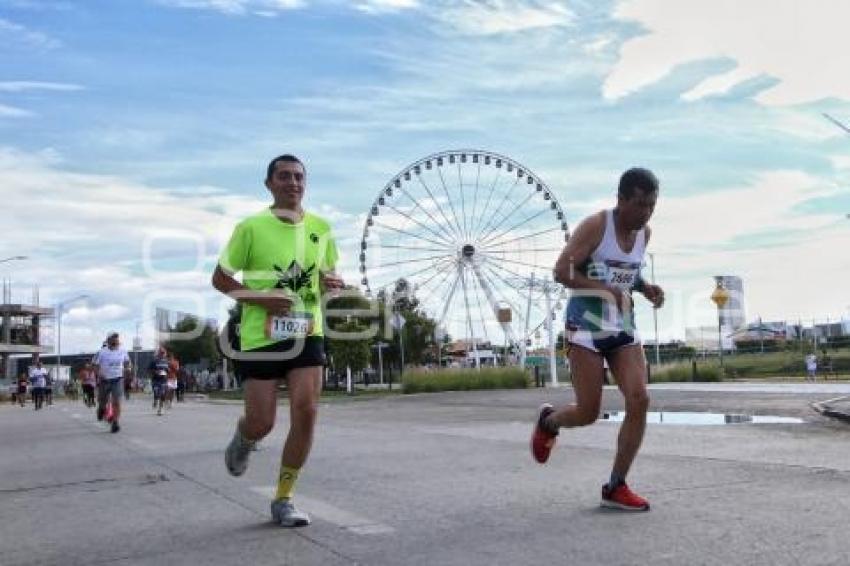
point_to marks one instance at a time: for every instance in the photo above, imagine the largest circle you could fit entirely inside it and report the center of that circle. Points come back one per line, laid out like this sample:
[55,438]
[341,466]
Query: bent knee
[257,428]
[587,416]
[305,412]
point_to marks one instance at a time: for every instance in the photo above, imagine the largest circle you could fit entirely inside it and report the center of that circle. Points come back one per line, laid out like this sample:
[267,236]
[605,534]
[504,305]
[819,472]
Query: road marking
[327,512]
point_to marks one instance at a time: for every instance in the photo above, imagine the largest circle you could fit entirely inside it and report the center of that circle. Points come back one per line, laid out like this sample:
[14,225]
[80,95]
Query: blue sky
[128,126]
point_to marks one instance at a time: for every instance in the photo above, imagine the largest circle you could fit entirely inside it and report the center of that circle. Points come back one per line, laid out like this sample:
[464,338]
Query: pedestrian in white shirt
[38,380]
[111,364]
[811,366]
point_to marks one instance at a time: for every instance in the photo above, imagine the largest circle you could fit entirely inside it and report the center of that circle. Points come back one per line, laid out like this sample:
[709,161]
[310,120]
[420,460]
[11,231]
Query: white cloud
[103,313]
[237,7]
[16,33]
[20,86]
[808,126]
[720,218]
[841,162]
[7,111]
[598,45]
[490,17]
[39,5]
[802,46]
[13,112]
[382,6]
[469,17]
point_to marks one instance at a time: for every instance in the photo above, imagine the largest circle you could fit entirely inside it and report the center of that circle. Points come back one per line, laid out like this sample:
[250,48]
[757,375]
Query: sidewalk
[837,408]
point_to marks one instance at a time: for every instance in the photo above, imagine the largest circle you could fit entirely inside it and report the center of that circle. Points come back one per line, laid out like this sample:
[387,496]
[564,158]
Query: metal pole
[381,363]
[550,323]
[59,331]
[814,335]
[655,312]
[58,341]
[401,351]
[527,318]
[136,341]
[720,336]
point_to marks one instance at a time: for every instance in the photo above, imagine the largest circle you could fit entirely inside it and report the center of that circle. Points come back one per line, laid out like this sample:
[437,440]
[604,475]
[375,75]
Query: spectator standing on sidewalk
[811,367]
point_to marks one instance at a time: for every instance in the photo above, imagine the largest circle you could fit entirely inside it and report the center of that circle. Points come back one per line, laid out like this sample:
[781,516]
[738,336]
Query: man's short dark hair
[286,157]
[637,178]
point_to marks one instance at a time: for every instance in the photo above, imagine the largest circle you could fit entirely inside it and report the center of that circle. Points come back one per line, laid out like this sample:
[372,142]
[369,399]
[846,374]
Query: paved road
[429,480]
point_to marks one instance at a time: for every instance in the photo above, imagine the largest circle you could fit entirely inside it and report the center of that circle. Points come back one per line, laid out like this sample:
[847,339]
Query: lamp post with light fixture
[720,297]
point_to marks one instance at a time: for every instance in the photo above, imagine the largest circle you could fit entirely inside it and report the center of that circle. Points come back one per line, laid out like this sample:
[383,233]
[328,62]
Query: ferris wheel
[467,232]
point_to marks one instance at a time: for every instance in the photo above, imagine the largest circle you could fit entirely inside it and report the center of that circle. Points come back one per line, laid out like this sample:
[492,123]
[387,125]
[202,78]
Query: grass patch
[786,363]
[685,372]
[465,380]
[327,394]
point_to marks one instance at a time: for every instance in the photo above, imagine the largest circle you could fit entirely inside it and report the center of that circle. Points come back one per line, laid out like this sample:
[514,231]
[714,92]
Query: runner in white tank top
[601,265]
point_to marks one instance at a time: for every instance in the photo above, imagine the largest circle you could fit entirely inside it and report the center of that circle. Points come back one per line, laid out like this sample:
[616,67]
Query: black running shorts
[281,357]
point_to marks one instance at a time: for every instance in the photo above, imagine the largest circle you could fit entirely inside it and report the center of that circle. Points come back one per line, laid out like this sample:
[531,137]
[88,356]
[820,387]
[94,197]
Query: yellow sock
[286,482]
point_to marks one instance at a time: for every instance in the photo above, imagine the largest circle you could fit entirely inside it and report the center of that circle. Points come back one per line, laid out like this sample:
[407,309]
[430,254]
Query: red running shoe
[621,497]
[542,441]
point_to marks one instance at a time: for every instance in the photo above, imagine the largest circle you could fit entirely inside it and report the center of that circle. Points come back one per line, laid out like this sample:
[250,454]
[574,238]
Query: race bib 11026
[292,326]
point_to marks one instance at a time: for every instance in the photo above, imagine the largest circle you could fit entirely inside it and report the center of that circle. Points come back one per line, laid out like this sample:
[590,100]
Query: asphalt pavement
[440,479]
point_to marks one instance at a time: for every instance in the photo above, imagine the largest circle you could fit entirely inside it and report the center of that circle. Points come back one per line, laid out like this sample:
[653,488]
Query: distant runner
[159,375]
[38,382]
[112,364]
[88,380]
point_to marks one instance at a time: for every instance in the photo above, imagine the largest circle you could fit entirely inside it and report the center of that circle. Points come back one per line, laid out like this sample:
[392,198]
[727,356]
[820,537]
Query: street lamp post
[720,296]
[137,345]
[655,311]
[59,308]
[380,347]
[398,322]
[550,327]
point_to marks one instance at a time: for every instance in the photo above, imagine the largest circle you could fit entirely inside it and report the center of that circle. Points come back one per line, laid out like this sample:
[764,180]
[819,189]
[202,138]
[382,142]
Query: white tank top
[610,263]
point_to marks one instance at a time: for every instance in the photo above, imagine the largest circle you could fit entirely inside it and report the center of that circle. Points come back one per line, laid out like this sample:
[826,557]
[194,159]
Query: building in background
[22,331]
[732,315]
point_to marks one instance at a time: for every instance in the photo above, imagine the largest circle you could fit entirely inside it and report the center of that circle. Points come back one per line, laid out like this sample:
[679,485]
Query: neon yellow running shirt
[272,254]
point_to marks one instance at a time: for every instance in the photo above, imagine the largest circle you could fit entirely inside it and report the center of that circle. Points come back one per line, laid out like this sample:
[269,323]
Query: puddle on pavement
[702,419]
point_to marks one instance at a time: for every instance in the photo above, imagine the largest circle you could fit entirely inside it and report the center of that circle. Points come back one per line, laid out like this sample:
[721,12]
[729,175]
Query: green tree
[344,351]
[352,299]
[355,354]
[192,351]
[418,330]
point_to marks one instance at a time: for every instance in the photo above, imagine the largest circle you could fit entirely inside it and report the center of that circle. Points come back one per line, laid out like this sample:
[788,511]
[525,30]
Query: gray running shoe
[285,514]
[237,453]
